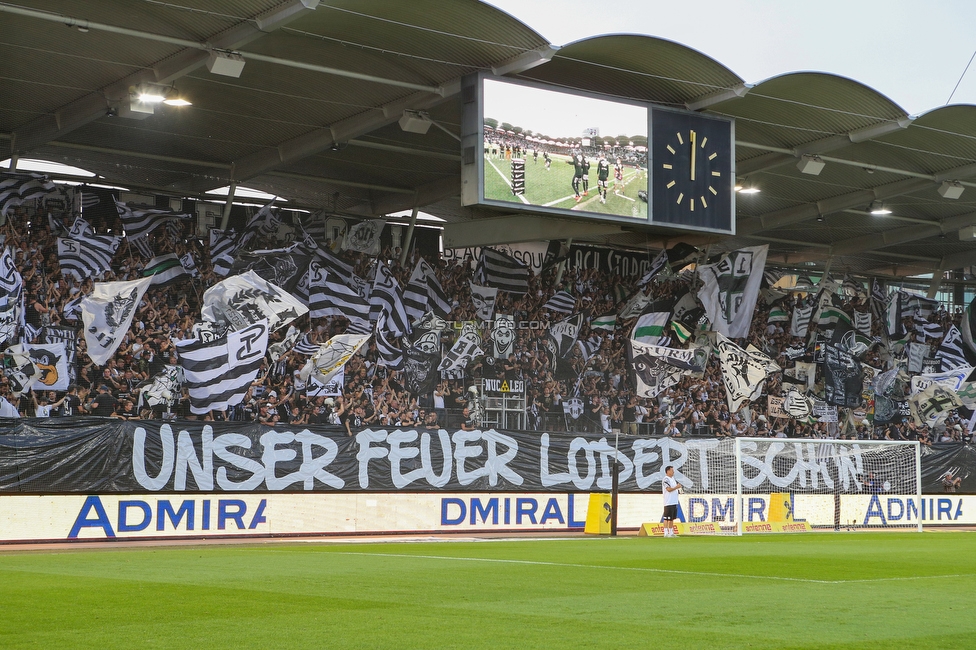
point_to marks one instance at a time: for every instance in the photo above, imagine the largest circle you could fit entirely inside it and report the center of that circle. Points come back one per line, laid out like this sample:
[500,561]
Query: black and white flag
[162,388]
[327,295]
[589,347]
[424,293]
[730,289]
[466,348]
[652,372]
[389,355]
[263,223]
[564,334]
[282,347]
[801,320]
[140,220]
[242,300]
[862,322]
[11,281]
[502,271]
[17,189]
[219,373]
[223,245]
[657,264]
[483,299]
[305,346]
[85,258]
[933,405]
[743,374]
[562,302]
[68,337]
[282,267]
[843,378]
[503,336]
[364,237]
[385,298]
[420,361]
[107,314]
[951,350]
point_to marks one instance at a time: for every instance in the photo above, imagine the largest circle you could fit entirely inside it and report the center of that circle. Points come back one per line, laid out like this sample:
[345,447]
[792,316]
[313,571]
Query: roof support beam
[357,125]
[94,105]
[824,145]
[423,195]
[798,214]
[718,97]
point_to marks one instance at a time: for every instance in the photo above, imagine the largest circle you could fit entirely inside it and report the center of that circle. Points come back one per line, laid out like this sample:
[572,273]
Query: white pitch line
[507,182]
[653,570]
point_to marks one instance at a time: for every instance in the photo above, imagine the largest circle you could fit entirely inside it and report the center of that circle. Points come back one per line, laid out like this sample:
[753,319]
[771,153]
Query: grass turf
[554,188]
[861,590]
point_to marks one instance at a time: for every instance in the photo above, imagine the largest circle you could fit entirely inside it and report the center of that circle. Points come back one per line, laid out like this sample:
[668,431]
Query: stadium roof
[313,117]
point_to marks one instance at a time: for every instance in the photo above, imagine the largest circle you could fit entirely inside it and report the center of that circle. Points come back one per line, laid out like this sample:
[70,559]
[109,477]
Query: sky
[912,52]
[561,115]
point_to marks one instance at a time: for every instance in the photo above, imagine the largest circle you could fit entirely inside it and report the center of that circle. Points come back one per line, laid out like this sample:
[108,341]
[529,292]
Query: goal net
[782,485]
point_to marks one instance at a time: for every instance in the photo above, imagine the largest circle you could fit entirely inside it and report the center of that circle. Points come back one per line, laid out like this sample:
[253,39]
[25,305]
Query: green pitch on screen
[554,188]
[833,590]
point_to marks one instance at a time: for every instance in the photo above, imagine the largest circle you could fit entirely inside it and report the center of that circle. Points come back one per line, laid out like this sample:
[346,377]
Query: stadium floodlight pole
[225,218]
[409,238]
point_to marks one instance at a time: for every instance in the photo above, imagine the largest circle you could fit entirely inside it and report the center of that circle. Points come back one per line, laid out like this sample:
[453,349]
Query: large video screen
[557,151]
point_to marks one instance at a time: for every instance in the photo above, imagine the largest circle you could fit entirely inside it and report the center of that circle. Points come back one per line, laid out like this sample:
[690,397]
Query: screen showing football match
[560,151]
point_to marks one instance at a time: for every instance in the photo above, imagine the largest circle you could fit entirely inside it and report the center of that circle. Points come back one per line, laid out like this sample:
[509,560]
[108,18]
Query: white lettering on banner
[312,468]
[430,459]
[504,386]
[494,467]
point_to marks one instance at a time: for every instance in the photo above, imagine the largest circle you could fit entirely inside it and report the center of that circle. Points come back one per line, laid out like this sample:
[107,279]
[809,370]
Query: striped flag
[951,351]
[862,322]
[607,322]
[801,320]
[424,293]
[681,331]
[497,269]
[223,245]
[650,327]
[305,345]
[968,326]
[17,189]
[777,315]
[84,258]
[389,355]
[830,316]
[327,295]
[385,298]
[562,302]
[924,329]
[165,270]
[140,220]
[658,263]
[219,373]
[142,245]
[589,347]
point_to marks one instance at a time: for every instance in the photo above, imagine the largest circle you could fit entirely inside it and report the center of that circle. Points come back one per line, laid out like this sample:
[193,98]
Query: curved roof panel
[636,66]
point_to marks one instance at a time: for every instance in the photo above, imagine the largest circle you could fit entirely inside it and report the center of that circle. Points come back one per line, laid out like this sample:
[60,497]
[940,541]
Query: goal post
[825,484]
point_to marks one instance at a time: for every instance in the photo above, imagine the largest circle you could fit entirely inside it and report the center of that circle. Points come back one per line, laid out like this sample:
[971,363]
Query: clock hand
[693,142]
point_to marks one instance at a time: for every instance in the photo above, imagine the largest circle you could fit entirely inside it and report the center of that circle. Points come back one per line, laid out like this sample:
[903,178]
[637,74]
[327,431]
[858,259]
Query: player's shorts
[586,177]
[670,513]
[601,183]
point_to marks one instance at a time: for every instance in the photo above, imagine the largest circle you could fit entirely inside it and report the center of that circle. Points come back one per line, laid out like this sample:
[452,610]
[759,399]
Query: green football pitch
[840,590]
[554,188]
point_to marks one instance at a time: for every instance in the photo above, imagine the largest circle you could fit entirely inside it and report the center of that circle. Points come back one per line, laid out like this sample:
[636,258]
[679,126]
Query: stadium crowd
[374,395]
